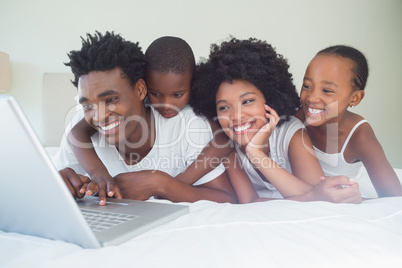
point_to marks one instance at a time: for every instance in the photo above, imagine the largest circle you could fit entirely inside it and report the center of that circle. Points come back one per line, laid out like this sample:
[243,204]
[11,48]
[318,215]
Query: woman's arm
[326,190]
[239,179]
[286,183]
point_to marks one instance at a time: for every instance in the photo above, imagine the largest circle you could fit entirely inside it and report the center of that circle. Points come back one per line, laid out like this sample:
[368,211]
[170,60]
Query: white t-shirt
[278,144]
[178,142]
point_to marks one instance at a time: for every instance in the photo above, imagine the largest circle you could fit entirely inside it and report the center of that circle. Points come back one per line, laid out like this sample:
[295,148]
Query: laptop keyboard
[99,221]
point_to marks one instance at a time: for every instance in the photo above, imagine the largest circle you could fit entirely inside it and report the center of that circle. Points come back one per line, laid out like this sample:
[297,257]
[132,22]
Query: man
[142,150]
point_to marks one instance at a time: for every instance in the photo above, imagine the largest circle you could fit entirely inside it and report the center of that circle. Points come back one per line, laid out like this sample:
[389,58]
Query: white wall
[38,34]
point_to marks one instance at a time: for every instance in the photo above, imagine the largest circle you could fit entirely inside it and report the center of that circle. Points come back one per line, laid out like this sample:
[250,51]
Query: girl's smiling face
[328,89]
[240,109]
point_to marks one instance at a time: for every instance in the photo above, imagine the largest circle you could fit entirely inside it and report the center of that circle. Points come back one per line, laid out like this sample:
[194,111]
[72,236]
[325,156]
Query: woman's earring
[352,106]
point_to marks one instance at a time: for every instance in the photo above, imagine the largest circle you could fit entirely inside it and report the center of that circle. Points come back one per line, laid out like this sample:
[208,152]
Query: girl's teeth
[314,111]
[241,128]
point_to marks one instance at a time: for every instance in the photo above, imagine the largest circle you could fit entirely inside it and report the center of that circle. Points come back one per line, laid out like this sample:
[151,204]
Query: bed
[278,233]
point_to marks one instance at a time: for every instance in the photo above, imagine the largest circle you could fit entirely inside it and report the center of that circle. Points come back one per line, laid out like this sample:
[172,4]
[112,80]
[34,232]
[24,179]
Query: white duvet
[277,233]
[272,234]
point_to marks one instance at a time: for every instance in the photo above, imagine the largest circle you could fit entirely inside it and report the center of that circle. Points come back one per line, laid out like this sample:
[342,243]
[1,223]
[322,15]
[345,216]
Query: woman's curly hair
[106,52]
[252,60]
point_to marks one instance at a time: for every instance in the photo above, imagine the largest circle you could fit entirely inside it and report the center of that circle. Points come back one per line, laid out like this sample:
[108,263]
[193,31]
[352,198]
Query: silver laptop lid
[37,202]
[34,194]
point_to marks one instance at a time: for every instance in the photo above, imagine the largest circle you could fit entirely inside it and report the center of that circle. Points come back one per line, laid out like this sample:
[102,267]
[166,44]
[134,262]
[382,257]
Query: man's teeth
[110,126]
[314,111]
[243,127]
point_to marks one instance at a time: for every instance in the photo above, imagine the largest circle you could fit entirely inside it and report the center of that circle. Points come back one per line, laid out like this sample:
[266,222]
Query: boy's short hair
[170,54]
[105,52]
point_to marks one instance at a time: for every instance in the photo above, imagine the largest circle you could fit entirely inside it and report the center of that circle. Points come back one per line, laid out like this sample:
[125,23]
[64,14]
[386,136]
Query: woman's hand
[260,139]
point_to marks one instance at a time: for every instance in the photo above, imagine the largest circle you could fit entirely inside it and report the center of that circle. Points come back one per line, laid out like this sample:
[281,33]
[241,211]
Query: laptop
[35,200]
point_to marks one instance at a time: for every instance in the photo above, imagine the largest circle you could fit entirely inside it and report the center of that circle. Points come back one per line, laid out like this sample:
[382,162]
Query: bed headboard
[58,106]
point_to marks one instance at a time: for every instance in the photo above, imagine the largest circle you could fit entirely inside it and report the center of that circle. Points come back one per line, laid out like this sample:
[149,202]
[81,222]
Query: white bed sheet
[277,233]
[272,234]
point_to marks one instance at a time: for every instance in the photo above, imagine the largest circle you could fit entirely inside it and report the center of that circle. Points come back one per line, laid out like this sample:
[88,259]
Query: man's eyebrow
[82,99]
[107,93]
[103,94]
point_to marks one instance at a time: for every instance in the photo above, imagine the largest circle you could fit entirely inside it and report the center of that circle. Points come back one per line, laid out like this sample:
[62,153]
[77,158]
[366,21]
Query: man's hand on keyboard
[76,183]
[104,186]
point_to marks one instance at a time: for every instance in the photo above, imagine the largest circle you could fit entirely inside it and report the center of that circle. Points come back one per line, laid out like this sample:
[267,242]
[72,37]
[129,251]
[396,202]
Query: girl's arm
[211,156]
[79,139]
[327,190]
[367,148]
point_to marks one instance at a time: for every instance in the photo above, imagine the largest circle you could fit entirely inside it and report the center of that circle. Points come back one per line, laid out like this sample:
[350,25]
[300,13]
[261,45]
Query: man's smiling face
[112,105]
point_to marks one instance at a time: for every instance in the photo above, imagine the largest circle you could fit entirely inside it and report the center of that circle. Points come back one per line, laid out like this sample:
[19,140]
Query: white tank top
[335,164]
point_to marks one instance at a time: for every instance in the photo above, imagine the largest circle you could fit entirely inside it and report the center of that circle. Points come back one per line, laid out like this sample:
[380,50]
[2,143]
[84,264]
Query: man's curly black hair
[252,60]
[170,54]
[106,52]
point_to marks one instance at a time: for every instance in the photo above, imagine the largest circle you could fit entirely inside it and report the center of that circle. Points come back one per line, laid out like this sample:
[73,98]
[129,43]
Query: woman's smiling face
[240,109]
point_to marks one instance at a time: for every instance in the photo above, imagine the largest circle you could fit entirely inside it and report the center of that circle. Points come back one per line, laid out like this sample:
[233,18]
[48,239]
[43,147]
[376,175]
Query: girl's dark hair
[360,66]
[252,60]
[170,54]
[106,52]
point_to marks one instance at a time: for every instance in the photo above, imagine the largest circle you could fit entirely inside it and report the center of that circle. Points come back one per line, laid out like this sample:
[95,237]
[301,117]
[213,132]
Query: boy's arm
[209,158]
[143,184]
[79,139]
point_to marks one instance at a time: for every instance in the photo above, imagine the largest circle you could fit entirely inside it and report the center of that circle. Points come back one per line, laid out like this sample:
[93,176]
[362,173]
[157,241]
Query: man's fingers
[73,182]
[102,197]
[84,179]
[114,191]
[92,188]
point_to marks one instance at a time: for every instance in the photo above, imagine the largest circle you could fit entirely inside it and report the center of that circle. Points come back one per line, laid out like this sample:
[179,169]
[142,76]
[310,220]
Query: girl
[344,141]
[247,86]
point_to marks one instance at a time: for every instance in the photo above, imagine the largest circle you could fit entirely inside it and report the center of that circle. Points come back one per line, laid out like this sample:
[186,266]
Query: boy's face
[168,92]
[112,105]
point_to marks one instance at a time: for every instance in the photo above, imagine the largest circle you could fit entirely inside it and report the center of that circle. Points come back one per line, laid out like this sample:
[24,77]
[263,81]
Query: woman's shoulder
[285,132]
[292,122]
